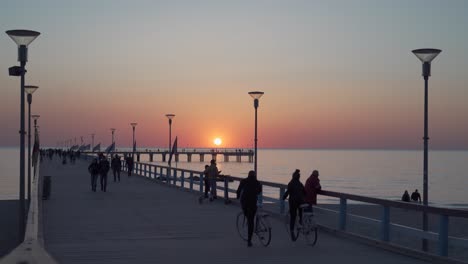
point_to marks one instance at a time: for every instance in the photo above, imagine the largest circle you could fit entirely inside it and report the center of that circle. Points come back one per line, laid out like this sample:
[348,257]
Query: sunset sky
[336,74]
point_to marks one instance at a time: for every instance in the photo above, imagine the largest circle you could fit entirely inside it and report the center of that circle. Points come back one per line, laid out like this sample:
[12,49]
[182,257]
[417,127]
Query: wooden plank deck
[141,221]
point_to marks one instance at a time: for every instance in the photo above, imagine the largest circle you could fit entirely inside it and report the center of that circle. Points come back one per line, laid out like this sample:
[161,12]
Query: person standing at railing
[248,192]
[213,174]
[93,169]
[312,186]
[296,193]
[206,180]
[415,196]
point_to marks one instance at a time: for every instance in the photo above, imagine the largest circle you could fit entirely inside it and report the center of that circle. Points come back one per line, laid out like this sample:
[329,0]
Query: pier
[144,219]
[203,155]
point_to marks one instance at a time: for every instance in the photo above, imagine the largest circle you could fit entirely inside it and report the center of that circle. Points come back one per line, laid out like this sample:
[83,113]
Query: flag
[35,153]
[97,147]
[74,147]
[134,146]
[87,147]
[110,148]
[174,150]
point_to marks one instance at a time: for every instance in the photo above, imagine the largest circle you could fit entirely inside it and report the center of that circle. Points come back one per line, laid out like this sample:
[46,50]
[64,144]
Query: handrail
[31,250]
[173,175]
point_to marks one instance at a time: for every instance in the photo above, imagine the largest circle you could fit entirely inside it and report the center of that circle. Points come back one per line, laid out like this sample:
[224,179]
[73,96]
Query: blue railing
[193,180]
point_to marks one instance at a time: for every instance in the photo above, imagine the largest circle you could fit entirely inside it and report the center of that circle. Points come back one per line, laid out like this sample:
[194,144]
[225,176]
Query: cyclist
[296,193]
[248,191]
[312,186]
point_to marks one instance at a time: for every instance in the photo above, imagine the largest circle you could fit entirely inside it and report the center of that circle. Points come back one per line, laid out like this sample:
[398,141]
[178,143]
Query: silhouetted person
[312,186]
[415,196]
[248,191]
[213,174]
[104,168]
[405,197]
[93,169]
[296,193]
[206,180]
[129,161]
[116,166]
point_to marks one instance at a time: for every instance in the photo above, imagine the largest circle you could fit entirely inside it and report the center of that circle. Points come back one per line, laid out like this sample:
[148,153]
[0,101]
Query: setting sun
[217,141]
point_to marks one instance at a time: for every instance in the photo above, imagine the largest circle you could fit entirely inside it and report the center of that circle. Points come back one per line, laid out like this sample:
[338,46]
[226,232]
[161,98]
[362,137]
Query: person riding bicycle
[296,193]
[312,186]
[249,189]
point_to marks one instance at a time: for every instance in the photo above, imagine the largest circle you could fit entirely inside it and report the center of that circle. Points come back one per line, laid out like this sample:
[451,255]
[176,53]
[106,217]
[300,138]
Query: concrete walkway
[141,221]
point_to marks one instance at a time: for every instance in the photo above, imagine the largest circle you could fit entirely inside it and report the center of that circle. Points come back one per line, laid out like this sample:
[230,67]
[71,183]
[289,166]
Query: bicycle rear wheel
[241,224]
[263,231]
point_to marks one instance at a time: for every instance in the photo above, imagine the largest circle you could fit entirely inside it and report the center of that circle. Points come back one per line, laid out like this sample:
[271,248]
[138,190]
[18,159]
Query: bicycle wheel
[263,230]
[241,224]
[310,231]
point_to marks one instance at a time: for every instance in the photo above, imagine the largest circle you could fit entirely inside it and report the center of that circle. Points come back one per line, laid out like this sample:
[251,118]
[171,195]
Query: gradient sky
[336,74]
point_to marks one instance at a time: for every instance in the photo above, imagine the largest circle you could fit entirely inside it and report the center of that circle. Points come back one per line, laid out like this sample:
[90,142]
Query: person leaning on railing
[312,186]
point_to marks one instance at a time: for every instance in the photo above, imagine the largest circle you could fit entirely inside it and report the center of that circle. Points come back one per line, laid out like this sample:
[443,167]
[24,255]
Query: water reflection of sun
[217,141]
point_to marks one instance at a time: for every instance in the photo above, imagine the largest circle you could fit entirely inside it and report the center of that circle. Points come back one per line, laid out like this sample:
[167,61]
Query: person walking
[213,174]
[312,186]
[248,192]
[93,169]
[104,168]
[296,193]
[116,167]
[129,161]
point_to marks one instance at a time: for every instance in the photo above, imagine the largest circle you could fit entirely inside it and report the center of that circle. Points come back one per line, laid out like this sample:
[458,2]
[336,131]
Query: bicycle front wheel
[310,231]
[241,224]
[263,231]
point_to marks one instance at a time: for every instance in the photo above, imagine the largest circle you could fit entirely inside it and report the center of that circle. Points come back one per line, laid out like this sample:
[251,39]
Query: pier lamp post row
[133,143]
[29,90]
[170,117]
[426,56]
[22,38]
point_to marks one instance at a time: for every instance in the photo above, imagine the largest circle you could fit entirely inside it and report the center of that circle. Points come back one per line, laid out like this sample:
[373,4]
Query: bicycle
[308,229]
[262,227]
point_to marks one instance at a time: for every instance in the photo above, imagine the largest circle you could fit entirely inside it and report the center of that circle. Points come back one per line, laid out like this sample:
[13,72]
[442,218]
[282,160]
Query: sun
[217,141]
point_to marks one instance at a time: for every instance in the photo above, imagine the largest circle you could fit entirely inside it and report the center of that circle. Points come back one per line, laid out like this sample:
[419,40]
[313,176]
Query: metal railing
[31,250]
[193,180]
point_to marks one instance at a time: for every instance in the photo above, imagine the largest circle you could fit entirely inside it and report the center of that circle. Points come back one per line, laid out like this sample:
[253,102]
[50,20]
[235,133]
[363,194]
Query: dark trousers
[293,209]
[130,168]
[116,175]
[249,213]
[93,181]
[207,187]
[103,181]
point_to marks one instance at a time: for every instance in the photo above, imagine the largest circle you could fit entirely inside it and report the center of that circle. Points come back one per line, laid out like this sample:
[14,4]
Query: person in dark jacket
[312,186]
[116,166]
[296,193]
[206,180]
[248,191]
[415,196]
[129,161]
[93,169]
[104,168]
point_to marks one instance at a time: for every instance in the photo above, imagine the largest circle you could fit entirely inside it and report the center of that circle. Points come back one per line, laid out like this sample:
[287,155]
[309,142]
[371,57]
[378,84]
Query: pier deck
[141,221]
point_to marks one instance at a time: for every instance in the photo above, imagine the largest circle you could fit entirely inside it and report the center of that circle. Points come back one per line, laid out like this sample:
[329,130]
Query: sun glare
[217,141]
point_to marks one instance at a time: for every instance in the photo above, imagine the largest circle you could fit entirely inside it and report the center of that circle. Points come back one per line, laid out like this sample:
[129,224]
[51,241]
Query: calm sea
[376,173]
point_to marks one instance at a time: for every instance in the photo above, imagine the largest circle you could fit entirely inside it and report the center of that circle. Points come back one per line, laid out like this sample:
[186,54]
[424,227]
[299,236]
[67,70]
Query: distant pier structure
[236,154]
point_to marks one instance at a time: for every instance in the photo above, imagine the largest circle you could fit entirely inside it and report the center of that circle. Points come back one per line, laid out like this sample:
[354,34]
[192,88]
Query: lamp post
[426,56]
[92,142]
[256,95]
[133,143]
[113,131]
[170,117]
[29,89]
[22,38]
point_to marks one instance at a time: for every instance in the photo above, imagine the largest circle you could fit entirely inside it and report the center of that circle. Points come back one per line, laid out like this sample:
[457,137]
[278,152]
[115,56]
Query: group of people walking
[211,174]
[100,166]
[415,196]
